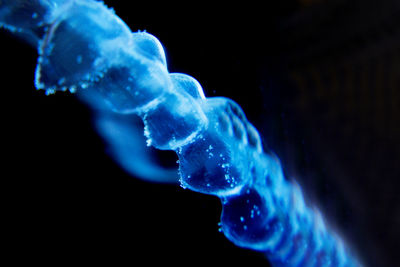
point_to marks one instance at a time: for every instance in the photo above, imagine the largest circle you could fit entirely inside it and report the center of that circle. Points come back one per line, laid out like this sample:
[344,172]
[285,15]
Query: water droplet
[148,142]
[72,89]
[84,85]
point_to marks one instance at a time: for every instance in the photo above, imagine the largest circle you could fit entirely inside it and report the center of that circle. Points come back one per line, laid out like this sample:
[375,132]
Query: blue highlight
[85,48]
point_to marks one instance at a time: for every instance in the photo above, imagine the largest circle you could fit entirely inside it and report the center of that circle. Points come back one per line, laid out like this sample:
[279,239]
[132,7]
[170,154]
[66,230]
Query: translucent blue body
[85,48]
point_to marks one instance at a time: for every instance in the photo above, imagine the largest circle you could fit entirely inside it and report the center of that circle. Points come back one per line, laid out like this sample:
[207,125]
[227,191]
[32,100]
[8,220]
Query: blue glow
[128,147]
[84,47]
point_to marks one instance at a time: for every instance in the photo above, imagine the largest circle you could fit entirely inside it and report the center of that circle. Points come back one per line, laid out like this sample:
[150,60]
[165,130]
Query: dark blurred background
[319,79]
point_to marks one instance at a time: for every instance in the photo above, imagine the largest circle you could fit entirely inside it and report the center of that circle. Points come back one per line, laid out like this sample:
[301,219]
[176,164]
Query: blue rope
[85,48]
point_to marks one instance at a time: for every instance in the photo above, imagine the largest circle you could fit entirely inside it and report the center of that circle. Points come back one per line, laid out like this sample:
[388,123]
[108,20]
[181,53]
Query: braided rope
[84,47]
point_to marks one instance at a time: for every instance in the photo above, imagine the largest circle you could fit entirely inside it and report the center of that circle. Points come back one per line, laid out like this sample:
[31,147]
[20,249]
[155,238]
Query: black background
[67,201]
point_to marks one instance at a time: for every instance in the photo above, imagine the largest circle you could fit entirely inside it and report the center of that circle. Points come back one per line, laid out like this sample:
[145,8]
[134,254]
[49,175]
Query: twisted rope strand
[85,48]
